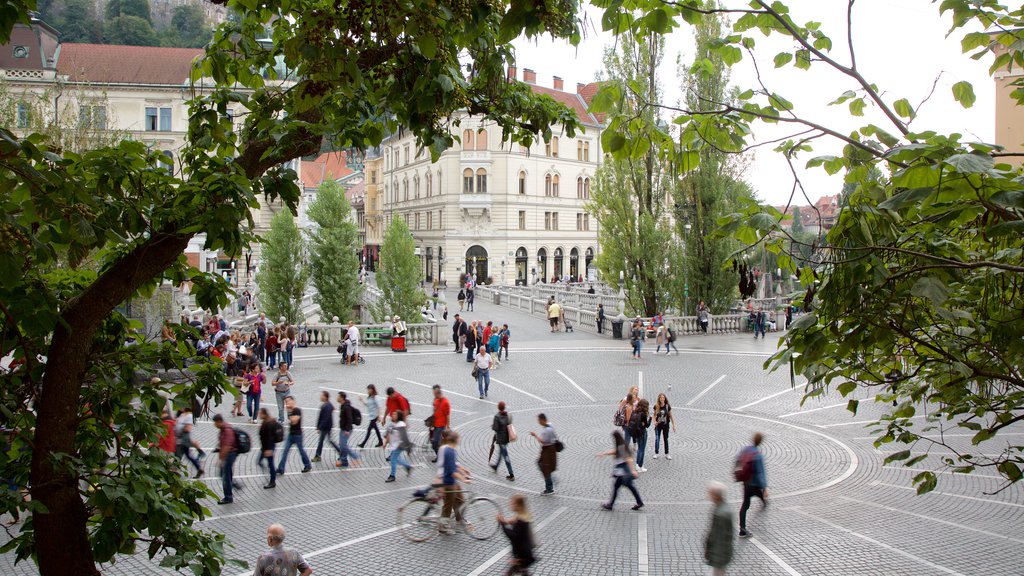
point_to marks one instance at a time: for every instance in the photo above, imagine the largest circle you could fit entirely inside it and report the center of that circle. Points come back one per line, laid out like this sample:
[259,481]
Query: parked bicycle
[420,518]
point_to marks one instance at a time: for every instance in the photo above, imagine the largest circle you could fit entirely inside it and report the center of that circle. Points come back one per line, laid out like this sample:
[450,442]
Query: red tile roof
[574,101]
[328,166]
[104,64]
[312,174]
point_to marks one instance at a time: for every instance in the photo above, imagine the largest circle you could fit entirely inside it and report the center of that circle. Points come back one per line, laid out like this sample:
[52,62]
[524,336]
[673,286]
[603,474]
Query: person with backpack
[662,418]
[461,298]
[623,414]
[503,337]
[750,471]
[718,543]
[348,418]
[398,443]
[372,415]
[519,531]
[624,471]
[271,432]
[227,451]
[549,448]
[670,340]
[324,424]
[504,433]
[639,422]
[272,348]
[294,437]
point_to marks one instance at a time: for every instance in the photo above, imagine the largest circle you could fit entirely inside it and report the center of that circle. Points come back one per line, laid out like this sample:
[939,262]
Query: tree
[130,31]
[798,223]
[188,28]
[918,296]
[334,252]
[398,275]
[136,8]
[629,201]
[282,276]
[80,234]
[76,21]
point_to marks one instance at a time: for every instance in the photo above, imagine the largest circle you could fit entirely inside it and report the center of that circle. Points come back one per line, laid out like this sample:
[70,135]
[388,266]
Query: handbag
[512,437]
[476,371]
[559,446]
[429,421]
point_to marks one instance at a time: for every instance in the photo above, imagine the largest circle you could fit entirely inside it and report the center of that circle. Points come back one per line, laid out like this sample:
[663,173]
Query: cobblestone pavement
[835,509]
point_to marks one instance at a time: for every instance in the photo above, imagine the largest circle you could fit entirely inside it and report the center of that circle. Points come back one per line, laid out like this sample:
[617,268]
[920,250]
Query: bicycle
[420,518]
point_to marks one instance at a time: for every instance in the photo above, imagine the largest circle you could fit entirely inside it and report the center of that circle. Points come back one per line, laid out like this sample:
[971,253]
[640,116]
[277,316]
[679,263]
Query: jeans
[345,452]
[505,348]
[270,463]
[325,435]
[641,447]
[659,431]
[670,346]
[280,404]
[252,405]
[470,350]
[435,439]
[626,481]
[549,482]
[227,473]
[626,436]
[397,458]
[186,451]
[271,359]
[599,327]
[637,345]
[288,354]
[372,427]
[503,455]
[748,494]
[483,381]
[293,440]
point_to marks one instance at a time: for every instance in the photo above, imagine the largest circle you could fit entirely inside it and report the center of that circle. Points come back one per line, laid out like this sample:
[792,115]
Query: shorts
[353,349]
[554,321]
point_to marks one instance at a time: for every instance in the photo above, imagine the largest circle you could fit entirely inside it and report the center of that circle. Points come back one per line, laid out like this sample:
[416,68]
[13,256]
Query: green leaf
[906,198]
[1013,228]
[846,387]
[782,58]
[903,108]
[931,288]
[926,482]
[1010,470]
[857,106]
[897,456]
[971,163]
[963,92]
[428,45]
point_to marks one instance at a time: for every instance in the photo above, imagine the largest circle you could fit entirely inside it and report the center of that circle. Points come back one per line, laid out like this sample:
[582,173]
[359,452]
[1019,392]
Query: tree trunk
[61,538]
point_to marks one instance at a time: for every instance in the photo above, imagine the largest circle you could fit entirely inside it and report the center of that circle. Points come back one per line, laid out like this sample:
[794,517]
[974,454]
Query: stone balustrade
[331,335]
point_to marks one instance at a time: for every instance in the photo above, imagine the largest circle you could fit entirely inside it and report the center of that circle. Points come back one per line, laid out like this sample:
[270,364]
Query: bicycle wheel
[418,519]
[480,515]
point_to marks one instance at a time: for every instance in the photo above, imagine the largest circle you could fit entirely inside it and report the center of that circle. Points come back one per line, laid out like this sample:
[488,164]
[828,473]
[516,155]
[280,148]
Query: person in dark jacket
[718,544]
[471,342]
[324,423]
[756,485]
[502,437]
[458,328]
[520,535]
[600,317]
[345,424]
[268,441]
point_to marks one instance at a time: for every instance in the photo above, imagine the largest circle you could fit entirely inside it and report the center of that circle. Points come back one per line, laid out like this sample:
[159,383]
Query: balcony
[475,204]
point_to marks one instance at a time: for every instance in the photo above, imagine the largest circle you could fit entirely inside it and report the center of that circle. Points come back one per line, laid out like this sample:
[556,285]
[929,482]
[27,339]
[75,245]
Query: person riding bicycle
[451,472]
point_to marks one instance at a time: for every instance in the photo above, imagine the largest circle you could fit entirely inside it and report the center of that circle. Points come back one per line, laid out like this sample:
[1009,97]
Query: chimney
[511,73]
[558,84]
[529,76]
[579,87]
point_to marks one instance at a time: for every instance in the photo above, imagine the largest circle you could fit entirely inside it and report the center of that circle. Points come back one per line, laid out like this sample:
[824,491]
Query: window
[396,158]
[481,181]
[417,220]
[467,139]
[579,187]
[406,154]
[151,122]
[416,186]
[547,220]
[547,185]
[522,182]
[547,148]
[554,220]
[405,190]
[373,177]
[92,117]
[165,119]
[167,162]
[554,185]
[586,188]
[481,140]
[586,221]
[467,181]
[440,219]
[551,220]
[522,219]
[582,221]
[586,151]
[554,147]
[430,220]
[579,149]
[430,180]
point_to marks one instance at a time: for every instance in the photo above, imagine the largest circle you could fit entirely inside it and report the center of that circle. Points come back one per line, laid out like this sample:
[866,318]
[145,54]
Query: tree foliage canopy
[334,253]
[399,275]
[283,274]
[81,233]
[922,279]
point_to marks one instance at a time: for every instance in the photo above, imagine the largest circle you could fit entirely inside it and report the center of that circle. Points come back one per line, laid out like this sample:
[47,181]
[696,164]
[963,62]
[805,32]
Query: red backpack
[744,470]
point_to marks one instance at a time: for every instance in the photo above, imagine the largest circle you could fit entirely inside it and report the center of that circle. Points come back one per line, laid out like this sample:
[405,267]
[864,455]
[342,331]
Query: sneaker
[315,459]
[223,501]
[548,492]
[655,456]
[481,397]
[200,473]
[337,463]
[390,479]
[270,485]
[667,457]
[642,469]
[280,471]
[745,534]
[606,506]
[379,445]
[306,469]
[493,467]
[408,470]
[638,506]
[510,478]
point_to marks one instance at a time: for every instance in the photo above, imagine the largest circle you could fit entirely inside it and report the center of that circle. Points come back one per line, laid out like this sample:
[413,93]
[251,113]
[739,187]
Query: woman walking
[662,418]
[398,443]
[642,419]
[503,434]
[718,544]
[661,339]
[624,471]
[461,298]
[519,531]
[255,394]
[636,337]
[372,415]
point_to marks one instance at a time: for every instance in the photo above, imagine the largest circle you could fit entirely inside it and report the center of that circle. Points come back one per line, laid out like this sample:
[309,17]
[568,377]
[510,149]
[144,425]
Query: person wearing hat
[397,326]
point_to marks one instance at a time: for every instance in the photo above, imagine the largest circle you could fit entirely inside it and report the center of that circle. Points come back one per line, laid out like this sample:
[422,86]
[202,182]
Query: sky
[900,45]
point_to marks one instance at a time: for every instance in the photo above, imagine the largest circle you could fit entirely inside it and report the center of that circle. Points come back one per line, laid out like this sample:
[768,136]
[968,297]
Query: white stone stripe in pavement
[578,387]
[215,478]
[506,384]
[706,390]
[643,565]
[756,402]
[410,401]
[774,557]
[446,391]
[933,519]
[808,411]
[304,505]
[892,549]
[505,551]
[346,544]
[640,383]
[951,495]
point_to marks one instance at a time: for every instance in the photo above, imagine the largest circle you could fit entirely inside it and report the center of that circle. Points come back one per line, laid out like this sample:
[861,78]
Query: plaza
[834,508]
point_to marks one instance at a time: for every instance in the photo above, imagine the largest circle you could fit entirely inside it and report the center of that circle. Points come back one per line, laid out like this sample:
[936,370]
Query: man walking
[471,341]
[294,437]
[440,418]
[227,451]
[600,317]
[346,423]
[718,542]
[548,461]
[353,343]
[283,383]
[280,561]
[750,471]
[395,402]
[502,427]
[483,371]
[324,424]
[270,432]
[458,328]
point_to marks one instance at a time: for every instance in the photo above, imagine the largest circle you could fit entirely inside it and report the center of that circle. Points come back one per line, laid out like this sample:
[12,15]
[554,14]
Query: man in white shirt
[353,343]
[483,371]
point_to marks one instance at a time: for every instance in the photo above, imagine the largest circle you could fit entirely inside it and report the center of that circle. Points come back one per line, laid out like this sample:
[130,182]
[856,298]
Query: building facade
[505,213]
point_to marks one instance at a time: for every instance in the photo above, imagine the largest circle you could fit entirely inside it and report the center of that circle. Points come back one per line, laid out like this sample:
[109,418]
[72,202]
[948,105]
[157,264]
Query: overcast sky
[901,47]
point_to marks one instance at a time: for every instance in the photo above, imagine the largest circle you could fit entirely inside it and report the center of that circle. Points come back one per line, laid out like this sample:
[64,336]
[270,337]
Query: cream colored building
[507,214]
[374,217]
[1009,115]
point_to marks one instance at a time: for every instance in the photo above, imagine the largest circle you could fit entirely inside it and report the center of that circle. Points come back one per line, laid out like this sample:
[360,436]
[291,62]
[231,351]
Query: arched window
[481,140]
[542,264]
[467,181]
[416,186]
[405,189]
[579,187]
[579,149]
[429,182]
[586,151]
[554,147]
[522,182]
[586,188]
[521,261]
[547,185]
[588,257]
[558,263]
[574,264]
[467,139]
[554,185]
[481,181]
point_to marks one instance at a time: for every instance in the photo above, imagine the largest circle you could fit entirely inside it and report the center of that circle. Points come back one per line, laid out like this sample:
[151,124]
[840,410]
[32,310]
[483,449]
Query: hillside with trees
[130,22]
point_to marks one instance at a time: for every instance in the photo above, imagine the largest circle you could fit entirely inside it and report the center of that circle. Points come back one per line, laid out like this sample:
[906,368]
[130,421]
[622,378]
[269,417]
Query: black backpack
[243,443]
[278,432]
[357,417]
[634,423]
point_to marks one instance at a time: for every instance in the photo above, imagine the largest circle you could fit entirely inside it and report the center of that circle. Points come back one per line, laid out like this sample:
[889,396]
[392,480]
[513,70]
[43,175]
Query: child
[520,535]
[568,324]
[504,335]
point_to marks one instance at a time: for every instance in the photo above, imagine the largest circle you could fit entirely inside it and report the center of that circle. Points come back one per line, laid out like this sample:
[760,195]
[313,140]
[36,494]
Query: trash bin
[398,344]
[497,298]
[617,329]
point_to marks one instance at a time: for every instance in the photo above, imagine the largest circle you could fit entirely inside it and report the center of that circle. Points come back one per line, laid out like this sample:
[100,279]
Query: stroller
[343,350]
[568,325]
